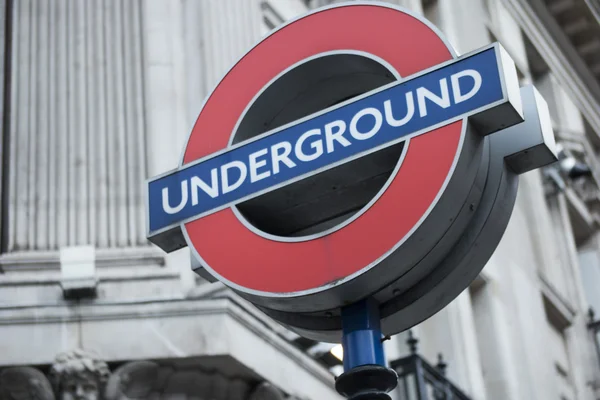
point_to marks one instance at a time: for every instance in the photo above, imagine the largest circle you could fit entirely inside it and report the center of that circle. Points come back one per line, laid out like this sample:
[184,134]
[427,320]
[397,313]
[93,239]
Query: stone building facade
[99,95]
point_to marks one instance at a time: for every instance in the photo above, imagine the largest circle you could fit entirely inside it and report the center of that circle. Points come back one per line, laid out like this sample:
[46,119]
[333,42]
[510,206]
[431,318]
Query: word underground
[321,141]
[316,142]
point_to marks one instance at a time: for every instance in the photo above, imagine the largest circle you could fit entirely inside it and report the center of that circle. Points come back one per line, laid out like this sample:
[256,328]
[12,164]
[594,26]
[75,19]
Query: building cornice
[561,57]
[50,259]
[252,320]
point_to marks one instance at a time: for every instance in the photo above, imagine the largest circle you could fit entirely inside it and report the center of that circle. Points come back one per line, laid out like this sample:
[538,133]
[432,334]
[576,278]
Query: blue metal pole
[365,376]
[361,335]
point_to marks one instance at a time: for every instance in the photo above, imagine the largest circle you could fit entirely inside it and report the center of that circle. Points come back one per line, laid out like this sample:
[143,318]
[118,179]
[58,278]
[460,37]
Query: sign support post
[365,374]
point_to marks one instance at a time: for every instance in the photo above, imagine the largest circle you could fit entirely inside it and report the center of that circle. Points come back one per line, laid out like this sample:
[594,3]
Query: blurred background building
[98,95]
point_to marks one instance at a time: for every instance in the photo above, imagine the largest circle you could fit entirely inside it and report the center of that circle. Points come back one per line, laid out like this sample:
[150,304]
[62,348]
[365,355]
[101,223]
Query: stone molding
[84,375]
[161,325]
[561,65]
[127,256]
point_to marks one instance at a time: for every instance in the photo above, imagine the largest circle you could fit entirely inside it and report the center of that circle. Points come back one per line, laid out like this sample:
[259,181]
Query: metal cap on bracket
[531,143]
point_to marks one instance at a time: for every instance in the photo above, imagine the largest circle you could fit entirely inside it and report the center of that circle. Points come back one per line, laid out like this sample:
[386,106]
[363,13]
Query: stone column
[77,155]
[462,21]
[188,47]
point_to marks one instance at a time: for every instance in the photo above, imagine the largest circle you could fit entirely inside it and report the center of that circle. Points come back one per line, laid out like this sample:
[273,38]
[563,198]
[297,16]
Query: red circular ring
[252,263]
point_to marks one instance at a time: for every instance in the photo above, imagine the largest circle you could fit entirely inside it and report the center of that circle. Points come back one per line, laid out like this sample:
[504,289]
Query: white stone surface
[105,93]
[165,330]
[77,127]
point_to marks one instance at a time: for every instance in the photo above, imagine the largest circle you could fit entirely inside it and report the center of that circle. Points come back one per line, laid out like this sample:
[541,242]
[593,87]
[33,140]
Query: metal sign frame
[414,255]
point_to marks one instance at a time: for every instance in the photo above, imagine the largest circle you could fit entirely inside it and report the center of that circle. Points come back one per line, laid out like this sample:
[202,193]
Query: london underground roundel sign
[348,155]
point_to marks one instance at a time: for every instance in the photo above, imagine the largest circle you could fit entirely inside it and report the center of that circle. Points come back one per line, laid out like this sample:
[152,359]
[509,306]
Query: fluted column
[188,47]
[455,15]
[4,16]
[230,28]
[3,23]
[77,155]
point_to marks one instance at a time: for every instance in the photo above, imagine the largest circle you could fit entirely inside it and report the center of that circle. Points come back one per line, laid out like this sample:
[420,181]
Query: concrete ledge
[558,310]
[129,256]
[158,329]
